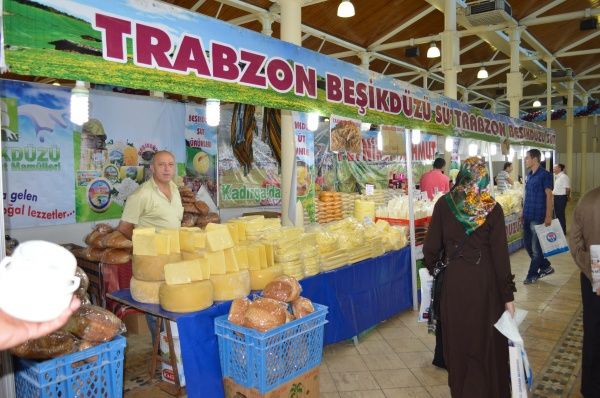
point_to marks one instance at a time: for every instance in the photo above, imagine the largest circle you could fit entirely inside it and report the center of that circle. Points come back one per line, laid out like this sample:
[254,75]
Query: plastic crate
[267,360]
[91,373]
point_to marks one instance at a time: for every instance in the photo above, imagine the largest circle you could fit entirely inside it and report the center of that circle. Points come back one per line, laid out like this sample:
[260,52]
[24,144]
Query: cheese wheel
[152,268]
[260,278]
[144,292]
[231,286]
[189,297]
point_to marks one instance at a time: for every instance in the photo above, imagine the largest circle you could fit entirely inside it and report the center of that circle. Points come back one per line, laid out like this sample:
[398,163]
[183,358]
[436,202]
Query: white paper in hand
[426,282]
[509,326]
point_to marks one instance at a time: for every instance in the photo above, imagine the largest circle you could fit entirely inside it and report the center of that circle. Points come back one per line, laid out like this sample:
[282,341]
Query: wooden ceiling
[377,19]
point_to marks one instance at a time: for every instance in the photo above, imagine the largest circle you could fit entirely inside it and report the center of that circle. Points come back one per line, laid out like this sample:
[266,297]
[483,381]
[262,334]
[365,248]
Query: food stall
[228,154]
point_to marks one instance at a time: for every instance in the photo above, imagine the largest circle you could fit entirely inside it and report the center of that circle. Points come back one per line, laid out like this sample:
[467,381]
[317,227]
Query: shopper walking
[562,193]
[584,232]
[468,227]
[537,209]
[503,180]
[435,180]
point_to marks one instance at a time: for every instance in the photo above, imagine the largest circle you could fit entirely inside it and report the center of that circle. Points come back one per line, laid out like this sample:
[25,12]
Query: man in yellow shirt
[156,203]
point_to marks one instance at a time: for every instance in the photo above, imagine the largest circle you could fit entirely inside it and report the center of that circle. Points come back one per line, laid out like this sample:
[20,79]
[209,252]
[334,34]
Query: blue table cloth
[359,296]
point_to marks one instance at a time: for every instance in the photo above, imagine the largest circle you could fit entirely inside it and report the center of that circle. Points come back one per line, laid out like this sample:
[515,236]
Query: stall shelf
[358,297]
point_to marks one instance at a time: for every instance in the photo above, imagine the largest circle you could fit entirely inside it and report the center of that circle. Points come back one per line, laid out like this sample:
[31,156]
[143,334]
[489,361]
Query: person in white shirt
[561,192]
[503,179]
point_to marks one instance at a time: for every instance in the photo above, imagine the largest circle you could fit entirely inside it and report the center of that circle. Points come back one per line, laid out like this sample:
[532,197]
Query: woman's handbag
[436,287]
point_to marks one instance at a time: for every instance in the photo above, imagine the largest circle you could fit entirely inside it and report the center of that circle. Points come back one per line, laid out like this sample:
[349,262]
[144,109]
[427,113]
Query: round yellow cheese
[144,292]
[260,278]
[152,268]
[188,297]
[231,286]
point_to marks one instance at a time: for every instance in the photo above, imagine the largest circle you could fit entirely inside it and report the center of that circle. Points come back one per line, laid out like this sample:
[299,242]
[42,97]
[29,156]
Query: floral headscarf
[470,199]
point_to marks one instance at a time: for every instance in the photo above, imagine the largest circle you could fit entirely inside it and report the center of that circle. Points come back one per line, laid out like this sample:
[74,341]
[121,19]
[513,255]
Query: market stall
[230,158]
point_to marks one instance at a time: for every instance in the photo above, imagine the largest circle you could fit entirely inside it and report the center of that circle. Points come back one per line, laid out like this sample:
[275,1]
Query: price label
[369,189]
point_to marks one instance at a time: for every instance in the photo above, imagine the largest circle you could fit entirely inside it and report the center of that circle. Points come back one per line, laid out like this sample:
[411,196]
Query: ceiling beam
[312,2]
[577,53]
[491,75]
[405,43]
[588,77]
[400,28]
[587,13]
[578,42]
[197,5]
[545,8]
[590,69]
[244,19]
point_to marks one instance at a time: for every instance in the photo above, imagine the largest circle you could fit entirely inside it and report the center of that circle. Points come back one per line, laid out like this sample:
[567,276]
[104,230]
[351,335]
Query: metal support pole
[450,50]
[549,92]
[570,89]
[291,31]
[411,217]
[584,155]
[514,79]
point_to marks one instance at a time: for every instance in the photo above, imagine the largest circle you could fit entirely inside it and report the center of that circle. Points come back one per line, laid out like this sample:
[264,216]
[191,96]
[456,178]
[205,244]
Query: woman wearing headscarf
[467,226]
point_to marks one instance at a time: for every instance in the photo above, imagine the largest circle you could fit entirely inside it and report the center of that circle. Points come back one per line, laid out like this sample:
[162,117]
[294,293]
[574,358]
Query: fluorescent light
[80,103]
[365,126]
[548,154]
[56,84]
[537,103]
[345,9]
[433,51]
[449,144]
[312,121]
[379,141]
[493,149]
[416,137]
[473,149]
[213,112]
[483,73]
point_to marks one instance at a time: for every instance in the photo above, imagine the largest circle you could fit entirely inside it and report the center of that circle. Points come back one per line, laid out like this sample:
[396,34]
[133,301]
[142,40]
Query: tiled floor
[393,360]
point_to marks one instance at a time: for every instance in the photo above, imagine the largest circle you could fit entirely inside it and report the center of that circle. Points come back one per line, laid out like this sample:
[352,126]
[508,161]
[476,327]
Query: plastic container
[92,373]
[266,360]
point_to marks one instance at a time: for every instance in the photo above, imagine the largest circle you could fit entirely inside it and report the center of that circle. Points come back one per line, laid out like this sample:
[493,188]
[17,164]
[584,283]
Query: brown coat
[473,298]
[585,230]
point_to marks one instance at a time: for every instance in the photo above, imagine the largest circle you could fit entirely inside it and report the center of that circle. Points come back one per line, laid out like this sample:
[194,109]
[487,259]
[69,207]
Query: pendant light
[433,51]
[345,9]
[483,73]
[537,103]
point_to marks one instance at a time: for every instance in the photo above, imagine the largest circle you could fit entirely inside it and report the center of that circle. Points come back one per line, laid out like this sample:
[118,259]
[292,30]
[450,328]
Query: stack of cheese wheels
[152,250]
[329,207]
[230,277]
[364,210]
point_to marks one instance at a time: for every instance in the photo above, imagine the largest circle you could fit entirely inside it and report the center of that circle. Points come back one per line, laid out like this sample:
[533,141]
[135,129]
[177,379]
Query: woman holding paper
[468,227]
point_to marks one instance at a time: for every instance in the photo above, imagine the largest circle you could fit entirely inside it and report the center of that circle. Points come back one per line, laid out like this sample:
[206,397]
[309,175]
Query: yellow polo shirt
[149,207]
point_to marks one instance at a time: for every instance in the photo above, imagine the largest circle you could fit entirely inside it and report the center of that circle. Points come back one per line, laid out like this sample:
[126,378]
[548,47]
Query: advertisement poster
[37,155]
[116,146]
[200,153]
[344,135]
[305,165]
[249,140]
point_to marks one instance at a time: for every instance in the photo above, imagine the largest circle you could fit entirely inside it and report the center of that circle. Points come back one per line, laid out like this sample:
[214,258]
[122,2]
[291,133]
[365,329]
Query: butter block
[231,286]
[216,260]
[173,234]
[231,264]
[241,255]
[186,238]
[253,253]
[218,237]
[183,272]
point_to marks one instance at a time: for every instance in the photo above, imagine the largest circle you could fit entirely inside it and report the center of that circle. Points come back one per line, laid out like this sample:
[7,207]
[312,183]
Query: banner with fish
[116,146]
[200,153]
[37,155]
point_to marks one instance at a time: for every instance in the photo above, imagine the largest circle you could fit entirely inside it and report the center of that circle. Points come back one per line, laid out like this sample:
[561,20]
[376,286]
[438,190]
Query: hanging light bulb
[80,103]
[312,121]
[433,51]
[473,149]
[449,144]
[493,149]
[345,9]
[213,112]
[379,141]
[365,126]
[483,73]
[416,137]
[537,103]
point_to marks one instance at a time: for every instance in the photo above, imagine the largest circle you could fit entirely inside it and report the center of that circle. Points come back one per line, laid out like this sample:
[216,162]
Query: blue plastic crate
[92,373]
[266,360]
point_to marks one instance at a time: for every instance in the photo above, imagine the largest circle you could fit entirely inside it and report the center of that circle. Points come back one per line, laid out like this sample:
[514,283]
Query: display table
[359,296]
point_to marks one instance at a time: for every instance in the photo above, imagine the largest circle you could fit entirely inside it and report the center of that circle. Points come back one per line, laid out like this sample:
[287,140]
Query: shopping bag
[552,239]
[518,379]
[426,283]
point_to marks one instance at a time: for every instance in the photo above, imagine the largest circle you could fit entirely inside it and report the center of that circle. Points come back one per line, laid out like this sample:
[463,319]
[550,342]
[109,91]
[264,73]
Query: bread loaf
[203,221]
[94,324]
[51,346]
[188,199]
[283,288]
[94,239]
[116,256]
[264,314]
[302,307]
[103,228]
[202,207]
[238,310]
[116,240]
[190,208]
[189,219]
[84,281]
[92,253]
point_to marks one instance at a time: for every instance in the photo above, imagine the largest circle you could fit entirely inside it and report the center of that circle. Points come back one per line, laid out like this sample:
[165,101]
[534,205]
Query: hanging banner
[201,153]
[37,155]
[153,45]
[305,164]
[249,174]
[116,146]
